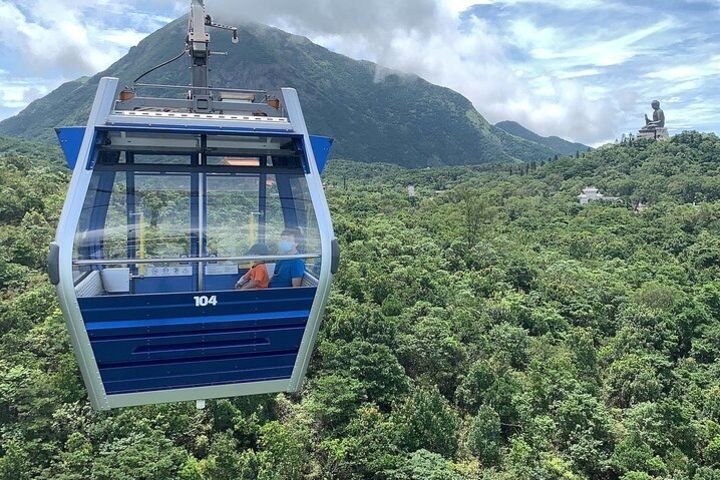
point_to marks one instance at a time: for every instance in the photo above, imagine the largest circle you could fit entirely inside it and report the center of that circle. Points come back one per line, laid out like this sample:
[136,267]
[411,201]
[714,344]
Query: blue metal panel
[101,205]
[287,201]
[163,285]
[160,342]
[71,139]
[224,372]
[221,282]
[321,148]
[135,307]
[195,217]
[193,368]
[191,345]
[127,328]
[132,220]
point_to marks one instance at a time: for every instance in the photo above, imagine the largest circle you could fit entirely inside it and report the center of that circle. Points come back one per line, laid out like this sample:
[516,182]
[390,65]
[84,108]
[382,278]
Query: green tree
[485,436]
[283,454]
[424,465]
[138,457]
[425,420]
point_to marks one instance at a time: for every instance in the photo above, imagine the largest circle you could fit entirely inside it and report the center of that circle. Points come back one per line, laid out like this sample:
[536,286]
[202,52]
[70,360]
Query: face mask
[285,246]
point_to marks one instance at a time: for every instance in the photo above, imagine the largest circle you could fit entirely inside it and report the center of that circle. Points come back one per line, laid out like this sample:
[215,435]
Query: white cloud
[588,72]
[121,38]
[574,5]
[55,38]
[12,97]
[48,42]
[431,39]
[603,49]
[17,94]
[80,35]
[459,6]
[688,72]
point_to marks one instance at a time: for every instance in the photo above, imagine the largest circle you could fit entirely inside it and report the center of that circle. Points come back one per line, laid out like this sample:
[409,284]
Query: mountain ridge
[561,146]
[399,118]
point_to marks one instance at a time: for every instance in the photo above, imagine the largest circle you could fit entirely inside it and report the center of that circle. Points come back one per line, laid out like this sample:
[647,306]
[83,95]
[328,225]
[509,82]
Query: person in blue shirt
[289,273]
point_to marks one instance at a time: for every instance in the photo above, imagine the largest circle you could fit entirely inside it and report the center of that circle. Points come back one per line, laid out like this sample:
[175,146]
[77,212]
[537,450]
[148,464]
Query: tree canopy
[489,328]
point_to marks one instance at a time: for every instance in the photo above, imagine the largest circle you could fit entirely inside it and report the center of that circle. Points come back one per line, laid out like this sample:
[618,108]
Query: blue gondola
[167,200]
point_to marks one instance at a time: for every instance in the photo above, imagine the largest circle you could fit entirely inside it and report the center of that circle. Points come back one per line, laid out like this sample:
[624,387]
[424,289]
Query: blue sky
[582,69]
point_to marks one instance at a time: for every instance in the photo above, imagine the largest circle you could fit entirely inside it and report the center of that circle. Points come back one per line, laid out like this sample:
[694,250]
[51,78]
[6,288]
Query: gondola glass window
[183,219]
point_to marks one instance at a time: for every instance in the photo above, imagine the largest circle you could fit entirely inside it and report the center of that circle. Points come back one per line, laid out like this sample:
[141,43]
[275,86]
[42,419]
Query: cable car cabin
[165,213]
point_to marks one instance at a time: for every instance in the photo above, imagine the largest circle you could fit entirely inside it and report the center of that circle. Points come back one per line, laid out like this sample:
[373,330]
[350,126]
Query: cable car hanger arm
[201,98]
[158,67]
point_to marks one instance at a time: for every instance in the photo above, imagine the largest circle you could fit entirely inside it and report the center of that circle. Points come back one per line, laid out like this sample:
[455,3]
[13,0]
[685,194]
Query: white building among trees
[592,194]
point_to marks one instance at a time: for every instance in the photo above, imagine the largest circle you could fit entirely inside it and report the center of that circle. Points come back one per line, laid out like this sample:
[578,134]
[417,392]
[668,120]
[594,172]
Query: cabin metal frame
[106,113]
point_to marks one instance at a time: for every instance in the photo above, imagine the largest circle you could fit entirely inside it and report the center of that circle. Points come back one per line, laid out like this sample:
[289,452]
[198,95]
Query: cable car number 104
[204,301]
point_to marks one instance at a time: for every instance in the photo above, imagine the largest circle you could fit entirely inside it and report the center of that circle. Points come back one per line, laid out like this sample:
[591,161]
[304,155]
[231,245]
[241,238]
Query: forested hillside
[557,144]
[489,329]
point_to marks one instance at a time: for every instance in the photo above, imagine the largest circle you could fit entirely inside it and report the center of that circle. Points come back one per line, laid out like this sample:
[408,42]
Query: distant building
[411,191]
[592,194]
[641,207]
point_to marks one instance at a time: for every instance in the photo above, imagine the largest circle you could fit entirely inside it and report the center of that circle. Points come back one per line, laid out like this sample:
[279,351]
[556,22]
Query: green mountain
[558,145]
[394,118]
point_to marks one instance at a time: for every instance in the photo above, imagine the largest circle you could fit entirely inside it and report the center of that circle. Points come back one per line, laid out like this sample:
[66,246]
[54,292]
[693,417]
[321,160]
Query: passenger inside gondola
[257,278]
[289,273]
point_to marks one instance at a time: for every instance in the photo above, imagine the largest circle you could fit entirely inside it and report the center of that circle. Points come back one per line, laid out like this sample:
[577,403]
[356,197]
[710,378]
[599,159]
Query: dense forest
[489,328]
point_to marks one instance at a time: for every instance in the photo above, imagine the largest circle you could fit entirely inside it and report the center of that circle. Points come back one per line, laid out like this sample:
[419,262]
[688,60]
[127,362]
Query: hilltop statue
[658,120]
[655,128]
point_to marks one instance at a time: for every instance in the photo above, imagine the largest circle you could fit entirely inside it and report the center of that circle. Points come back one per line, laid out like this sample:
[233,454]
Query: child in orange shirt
[257,278]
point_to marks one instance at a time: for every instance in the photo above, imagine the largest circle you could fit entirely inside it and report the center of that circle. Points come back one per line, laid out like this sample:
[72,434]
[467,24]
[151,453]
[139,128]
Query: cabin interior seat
[309,280]
[90,286]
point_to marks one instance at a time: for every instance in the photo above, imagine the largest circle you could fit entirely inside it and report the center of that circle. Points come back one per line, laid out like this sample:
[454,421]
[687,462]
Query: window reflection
[185,222]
